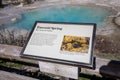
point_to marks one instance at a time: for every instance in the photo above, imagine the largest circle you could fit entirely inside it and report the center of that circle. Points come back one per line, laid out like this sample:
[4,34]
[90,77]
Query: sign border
[72,63]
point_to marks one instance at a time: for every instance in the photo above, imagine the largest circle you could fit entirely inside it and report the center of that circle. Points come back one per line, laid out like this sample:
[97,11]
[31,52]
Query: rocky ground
[107,39]
[108,46]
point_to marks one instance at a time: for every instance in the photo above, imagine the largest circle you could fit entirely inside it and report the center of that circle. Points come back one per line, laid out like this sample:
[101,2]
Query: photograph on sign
[70,43]
[75,44]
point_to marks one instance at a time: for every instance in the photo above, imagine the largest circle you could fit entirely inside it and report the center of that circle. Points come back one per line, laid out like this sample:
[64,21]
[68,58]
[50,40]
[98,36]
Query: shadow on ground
[36,75]
[111,70]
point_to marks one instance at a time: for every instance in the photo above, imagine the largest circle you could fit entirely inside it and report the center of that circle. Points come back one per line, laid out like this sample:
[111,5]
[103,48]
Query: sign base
[59,69]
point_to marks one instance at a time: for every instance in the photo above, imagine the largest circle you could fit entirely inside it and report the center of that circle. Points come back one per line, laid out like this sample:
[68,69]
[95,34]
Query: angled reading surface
[68,43]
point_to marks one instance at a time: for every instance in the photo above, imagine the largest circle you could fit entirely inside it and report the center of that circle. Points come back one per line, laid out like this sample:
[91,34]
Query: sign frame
[60,61]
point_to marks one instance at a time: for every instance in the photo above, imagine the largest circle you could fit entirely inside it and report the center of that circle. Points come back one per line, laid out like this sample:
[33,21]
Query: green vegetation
[4,62]
[9,64]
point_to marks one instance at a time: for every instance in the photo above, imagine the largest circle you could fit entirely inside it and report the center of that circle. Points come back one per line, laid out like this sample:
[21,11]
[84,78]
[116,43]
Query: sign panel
[59,69]
[69,43]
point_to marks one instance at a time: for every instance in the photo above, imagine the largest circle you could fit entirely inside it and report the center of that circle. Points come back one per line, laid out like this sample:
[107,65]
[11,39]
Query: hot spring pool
[78,14]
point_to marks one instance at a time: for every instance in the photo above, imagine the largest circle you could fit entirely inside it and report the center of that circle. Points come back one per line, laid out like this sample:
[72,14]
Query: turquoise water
[79,14]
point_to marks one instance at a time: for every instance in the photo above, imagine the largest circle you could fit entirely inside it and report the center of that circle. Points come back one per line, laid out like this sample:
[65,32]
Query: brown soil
[109,45]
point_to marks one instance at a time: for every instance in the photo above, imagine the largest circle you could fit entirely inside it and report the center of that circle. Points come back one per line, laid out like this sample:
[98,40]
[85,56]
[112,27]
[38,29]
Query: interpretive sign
[68,43]
[67,71]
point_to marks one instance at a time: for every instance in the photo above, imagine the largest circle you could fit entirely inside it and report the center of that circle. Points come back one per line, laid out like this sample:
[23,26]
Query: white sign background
[53,50]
